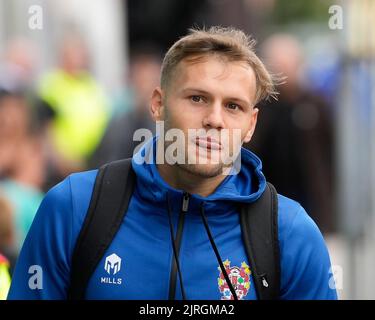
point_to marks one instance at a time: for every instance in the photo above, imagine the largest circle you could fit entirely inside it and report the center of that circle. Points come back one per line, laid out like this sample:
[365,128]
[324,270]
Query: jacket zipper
[180,227]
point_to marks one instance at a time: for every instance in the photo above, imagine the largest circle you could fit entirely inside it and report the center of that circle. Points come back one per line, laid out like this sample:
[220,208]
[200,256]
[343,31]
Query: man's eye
[233,106]
[196,98]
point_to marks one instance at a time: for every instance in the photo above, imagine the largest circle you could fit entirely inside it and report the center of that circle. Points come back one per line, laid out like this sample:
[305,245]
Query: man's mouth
[208,143]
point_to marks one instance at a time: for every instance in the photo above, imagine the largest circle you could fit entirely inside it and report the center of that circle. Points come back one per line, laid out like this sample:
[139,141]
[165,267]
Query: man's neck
[179,178]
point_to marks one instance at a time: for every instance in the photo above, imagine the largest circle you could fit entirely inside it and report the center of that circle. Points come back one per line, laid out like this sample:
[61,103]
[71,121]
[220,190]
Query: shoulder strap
[112,192]
[259,225]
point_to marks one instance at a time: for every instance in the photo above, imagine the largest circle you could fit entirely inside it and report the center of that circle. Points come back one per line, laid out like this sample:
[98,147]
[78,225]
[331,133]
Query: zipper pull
[185,202]
[264,280]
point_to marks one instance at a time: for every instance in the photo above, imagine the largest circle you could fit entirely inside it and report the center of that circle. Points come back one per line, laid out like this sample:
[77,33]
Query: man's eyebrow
[195,90]
[200,91]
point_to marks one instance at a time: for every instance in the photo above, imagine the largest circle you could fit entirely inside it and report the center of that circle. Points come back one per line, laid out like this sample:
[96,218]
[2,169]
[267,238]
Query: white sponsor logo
[112,264]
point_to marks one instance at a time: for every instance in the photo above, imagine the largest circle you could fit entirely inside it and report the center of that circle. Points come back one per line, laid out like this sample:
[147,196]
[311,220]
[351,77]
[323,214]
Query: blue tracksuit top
[138,263]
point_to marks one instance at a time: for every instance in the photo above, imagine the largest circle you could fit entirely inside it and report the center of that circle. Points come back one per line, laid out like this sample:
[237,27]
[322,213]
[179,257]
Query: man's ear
[253,123]
[156,105]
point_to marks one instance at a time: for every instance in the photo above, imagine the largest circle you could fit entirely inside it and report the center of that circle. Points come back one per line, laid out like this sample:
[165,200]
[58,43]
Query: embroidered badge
[239,277]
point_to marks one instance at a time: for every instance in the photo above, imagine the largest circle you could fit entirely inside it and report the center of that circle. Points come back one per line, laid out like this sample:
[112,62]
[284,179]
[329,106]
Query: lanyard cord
[175,249]
[230,285]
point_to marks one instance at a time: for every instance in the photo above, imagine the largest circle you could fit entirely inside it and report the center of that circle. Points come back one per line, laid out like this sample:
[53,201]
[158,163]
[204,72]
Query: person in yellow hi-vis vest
[80,107]
[4,277]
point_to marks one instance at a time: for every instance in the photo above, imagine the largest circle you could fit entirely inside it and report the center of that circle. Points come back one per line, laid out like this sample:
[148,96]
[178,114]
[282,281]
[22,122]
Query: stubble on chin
[203,170]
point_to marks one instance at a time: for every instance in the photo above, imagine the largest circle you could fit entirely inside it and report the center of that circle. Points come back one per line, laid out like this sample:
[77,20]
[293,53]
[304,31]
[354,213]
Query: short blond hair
[230,43]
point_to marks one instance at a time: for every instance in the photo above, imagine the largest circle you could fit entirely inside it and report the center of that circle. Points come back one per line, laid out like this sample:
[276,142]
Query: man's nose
[214,116]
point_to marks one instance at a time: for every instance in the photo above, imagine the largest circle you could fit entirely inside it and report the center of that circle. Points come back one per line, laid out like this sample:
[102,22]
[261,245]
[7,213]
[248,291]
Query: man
[76,105]
[22,164]
[210,80]
[4,277]
[294,136]
[117,142]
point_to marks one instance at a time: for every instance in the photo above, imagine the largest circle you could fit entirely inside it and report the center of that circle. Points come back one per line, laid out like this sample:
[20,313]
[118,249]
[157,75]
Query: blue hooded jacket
[138,262]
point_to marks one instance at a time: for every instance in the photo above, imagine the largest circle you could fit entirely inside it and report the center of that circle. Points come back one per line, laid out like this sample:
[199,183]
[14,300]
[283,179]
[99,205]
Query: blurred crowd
[63,121]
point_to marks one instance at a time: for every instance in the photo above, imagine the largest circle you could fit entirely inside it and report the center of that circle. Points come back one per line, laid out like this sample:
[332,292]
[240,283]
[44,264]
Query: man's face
[215,96]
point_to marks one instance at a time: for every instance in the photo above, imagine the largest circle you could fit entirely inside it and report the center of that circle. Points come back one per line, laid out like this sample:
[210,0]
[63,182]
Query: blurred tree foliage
[292,11]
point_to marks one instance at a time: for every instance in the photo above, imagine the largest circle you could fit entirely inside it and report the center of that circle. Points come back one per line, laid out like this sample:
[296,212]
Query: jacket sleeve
[305,264]
[42,269]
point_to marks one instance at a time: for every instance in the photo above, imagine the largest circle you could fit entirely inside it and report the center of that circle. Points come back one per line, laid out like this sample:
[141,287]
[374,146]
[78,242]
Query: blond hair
[227,42]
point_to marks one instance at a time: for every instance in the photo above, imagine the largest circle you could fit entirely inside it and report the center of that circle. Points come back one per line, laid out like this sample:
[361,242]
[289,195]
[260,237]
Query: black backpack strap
[112,192]
[259,225]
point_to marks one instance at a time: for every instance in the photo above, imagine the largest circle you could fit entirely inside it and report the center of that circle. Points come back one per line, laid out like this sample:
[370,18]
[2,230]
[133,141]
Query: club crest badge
[239,277]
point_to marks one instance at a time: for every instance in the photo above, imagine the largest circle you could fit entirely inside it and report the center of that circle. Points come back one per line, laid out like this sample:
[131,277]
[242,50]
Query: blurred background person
[294,135]
[79,106]
[22,162]
[144,76]
[7,232]
[4,277]
[18,65]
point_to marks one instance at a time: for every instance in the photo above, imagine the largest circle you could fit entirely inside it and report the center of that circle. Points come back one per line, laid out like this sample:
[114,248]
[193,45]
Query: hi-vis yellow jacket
[4,278]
